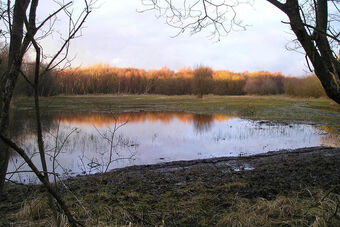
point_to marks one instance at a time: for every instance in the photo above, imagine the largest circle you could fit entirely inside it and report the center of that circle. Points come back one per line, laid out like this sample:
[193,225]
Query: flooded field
[93,142]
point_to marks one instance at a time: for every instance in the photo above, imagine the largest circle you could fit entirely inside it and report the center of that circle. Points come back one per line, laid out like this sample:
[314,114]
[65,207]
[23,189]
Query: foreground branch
[42,179]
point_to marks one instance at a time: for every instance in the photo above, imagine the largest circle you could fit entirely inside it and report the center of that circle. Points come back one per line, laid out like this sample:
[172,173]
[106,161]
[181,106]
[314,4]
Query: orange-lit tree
[202,81]
[103,79]
[315,24]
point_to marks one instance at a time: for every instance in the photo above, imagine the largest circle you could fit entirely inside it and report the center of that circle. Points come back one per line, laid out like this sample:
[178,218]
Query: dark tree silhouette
[315,24]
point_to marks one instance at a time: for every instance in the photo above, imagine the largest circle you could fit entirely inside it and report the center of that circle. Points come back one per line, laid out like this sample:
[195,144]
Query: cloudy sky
[116,34]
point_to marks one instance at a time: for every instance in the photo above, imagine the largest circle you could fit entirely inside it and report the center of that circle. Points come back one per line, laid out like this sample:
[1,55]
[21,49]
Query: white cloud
[118,35]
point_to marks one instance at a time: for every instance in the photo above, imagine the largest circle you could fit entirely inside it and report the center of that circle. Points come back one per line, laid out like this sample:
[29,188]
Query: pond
[85,143]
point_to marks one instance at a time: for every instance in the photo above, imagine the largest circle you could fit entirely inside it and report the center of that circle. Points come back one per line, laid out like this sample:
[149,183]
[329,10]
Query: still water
[93,142]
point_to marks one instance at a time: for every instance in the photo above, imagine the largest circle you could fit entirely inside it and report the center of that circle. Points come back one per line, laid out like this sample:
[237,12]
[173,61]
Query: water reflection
[202,123]
[103,119]
[100,142]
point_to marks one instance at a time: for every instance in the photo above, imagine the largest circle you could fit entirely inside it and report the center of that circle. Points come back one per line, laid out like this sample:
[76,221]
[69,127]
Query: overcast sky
[116,34]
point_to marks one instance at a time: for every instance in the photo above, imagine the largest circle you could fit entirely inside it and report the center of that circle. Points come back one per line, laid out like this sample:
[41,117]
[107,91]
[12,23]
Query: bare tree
[22,29]
[315,24]
[115,142]
[202,80]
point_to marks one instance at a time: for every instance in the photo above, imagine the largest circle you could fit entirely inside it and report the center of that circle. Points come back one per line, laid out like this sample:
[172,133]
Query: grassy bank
[300,188]
[282,108]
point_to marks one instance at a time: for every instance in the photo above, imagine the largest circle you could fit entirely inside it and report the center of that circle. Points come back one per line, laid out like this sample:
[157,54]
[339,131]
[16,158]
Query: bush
[304,87]
[263,85]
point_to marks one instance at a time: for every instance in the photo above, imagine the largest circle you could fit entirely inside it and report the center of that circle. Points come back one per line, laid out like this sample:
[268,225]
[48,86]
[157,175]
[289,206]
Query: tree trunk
[10,78]
[317,48]
[330,81]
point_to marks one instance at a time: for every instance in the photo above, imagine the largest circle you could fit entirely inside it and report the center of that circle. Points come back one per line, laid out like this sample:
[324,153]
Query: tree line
[103,79]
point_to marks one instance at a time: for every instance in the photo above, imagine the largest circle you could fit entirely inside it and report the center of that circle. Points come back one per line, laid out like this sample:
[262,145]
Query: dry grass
[284,211]
[319,208]
[34,209]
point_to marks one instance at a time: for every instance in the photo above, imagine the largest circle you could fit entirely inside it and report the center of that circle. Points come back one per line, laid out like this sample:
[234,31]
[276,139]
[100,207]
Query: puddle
[85,142]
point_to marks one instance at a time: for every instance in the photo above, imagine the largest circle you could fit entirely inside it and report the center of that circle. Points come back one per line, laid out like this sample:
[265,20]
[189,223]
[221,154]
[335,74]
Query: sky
[116,34]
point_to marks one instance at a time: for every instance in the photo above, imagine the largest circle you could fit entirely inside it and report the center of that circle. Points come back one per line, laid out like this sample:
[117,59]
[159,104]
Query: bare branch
[31,171]
[53,14]
[41,177]
[72,34]
[278,4]
[318,30]
[196,15]
[26,78]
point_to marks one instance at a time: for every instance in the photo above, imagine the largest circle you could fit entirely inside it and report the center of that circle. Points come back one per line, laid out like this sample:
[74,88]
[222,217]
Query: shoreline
[216,160]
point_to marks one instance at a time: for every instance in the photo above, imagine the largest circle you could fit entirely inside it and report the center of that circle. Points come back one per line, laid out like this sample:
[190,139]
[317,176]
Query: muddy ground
[218,191]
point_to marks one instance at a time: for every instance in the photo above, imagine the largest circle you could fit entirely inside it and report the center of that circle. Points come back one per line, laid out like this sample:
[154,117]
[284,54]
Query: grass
[281,108]
[198,211]
[295,189]
[282,211]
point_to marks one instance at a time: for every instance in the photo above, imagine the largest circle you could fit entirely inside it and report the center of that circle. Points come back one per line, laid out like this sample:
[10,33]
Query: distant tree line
[103,79]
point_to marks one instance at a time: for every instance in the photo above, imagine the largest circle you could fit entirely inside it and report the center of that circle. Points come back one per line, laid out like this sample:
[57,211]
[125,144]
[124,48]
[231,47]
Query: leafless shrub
[112,152]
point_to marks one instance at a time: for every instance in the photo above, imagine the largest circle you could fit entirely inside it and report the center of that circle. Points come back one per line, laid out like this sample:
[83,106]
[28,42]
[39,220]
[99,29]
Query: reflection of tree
[102,119]
[202,123]
[22,124]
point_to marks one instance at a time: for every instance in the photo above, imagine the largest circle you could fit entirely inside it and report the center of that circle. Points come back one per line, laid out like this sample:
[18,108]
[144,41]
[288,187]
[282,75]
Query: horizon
[189,68]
